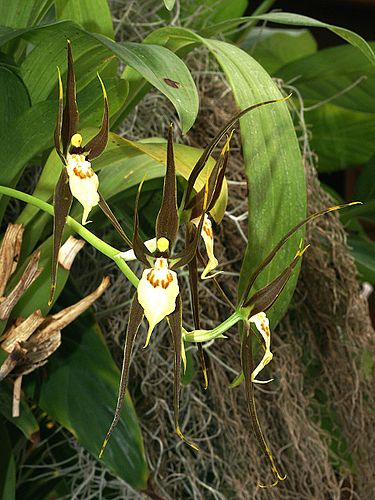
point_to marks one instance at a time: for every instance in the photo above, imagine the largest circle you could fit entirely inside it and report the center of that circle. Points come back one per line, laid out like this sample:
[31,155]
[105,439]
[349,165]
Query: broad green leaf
[26,422]
[297,20]
[22,13]
[80,392]
[363,251]
[273,48]
[14,99]
[159,66]
[338,73]
[93,15]
[199,14]
[7,466]
[341,138]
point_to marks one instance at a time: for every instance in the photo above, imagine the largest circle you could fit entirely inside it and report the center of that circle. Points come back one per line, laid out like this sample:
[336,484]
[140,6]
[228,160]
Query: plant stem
[96,242]
[205,335]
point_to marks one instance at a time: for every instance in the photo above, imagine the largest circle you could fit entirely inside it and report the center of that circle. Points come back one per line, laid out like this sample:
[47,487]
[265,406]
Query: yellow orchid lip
[262,325]
[208,239]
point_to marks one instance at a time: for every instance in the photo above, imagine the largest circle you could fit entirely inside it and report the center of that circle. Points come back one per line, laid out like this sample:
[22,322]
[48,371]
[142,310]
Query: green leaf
[22,13]
[7,466]
[273,48]
[169,4]
[363,251]
[93,15]
[14,99]
[80,393]
[339,73]
[211,11]
[26,422]
[271,155]
[159,66]
[297,20]
[341,138]
[365,187]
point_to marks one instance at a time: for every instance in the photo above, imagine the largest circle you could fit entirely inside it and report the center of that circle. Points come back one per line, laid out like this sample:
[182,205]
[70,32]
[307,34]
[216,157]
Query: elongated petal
[62,202]
[157,293]
[175,324]
[193,282]
[211,146]
[264,298]
[135,319]
[140,250]
[130,255]
[83,183]
[247,368]
[282,242]
[97,145]
[113,220]
[208,238]
[263,326]
[70,113]
[167,221]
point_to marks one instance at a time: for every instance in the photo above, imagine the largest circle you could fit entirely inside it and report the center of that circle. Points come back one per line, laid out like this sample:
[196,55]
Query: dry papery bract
[30,341]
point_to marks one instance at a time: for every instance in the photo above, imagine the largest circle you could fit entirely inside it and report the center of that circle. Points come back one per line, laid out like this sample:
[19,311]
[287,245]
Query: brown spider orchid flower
[158,295]
[77,178]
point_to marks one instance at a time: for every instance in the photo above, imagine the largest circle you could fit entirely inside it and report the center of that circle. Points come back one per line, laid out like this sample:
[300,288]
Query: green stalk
[96,242]
[218,331]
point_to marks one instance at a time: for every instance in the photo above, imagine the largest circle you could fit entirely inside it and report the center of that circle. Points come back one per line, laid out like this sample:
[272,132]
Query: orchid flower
[158,294]
[77,178]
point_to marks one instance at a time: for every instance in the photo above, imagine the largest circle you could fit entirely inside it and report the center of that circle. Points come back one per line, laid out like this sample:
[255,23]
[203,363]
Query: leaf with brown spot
[172,83]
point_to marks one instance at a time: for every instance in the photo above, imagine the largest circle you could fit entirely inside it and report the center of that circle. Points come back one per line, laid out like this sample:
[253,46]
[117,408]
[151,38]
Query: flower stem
[96,242]
[205,335]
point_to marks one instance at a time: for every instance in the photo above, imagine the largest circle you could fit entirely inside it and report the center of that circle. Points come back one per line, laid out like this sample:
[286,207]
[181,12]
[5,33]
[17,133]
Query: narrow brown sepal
[135,318]
[70,113]
[282,242]
[140,250]
[62,202]
[103,205]
[97,145]
[184,257]
[247,368]
[175,325]
[264,298]
[211,146]
[193,282]
[167,221]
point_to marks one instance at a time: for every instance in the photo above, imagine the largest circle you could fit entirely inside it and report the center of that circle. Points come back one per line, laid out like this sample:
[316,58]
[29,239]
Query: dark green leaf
[26,422]
[93,15]
[363,251]
[80,393]
[14,99]
[7,466]
[273,48]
